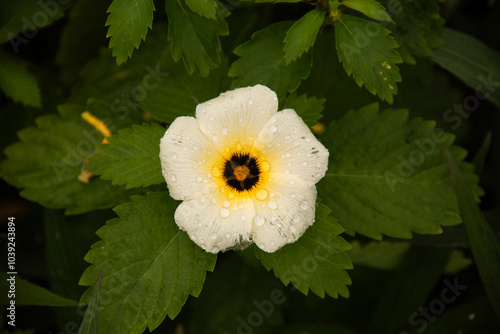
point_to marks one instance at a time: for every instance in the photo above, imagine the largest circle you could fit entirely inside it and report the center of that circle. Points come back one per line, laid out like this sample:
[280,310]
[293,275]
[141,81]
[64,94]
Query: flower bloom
[244,171]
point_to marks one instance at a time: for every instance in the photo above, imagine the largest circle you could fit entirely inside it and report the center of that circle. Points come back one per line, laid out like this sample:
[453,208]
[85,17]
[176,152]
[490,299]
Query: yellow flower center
[241,173]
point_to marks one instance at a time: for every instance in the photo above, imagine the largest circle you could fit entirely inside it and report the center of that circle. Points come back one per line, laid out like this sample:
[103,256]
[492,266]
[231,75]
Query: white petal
[186,158]
[217,223]
[285,214]
[291,148]
[237,116]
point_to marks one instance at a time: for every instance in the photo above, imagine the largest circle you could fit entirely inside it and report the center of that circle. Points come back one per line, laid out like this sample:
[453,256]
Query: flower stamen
[241,172]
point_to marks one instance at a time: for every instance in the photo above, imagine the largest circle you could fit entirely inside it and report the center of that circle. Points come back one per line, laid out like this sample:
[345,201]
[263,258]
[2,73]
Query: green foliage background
[405,95]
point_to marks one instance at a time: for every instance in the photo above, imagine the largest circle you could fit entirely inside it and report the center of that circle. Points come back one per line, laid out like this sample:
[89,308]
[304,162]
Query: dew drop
[211,118]
[173,178]
[296,218]
[304,163]
[228,235]
[226,204]
[224,131]
[199,179]
[203,111]
[272,205]
[288,154]
[296,143]
[174,155]
[215,172]
[163,157]
[273,128]
[243,217]
[214,236]
[304,205]
[293,229]
[265,166]
[215,138]
[195,147]
[259,220]
[287,171]
[261,194]
[250,101]
[263,111]
[224,213]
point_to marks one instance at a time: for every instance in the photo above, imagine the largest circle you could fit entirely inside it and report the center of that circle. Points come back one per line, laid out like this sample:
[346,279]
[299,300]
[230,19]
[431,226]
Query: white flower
[245,172]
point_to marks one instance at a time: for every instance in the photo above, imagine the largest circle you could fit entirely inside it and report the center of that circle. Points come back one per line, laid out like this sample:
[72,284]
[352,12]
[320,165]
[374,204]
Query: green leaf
[180,93]
[480,157]
[370,8]
[383,255]
[131,157]
[303,329]
[22,20]
[128,23]
[205,8]
[417,27]
[301,36]
[195,38]
[472,61]
[150,267]
[48,159]
[316,262]
[27,293]
[126,85]
[89,323]
[368,53]
[18,83]
[309,108]
[484,243]
[263,62]
[388,175]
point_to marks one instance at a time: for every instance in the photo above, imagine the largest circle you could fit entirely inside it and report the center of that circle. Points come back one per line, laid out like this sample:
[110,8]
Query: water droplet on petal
[293,229]
[195,147]
[259,220]
[296,218]
[273,128]
[265,166]
[228,235]
[250,101]
[163,157]
[215,172]
[174,155]
[214,236]
[261,194]
[272,205]
[304,205]
[199,179]
[215,138]
[296,143]
[304,163]
[226,204]
[203,111]
[224,213]
[224,131]
[173,178]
